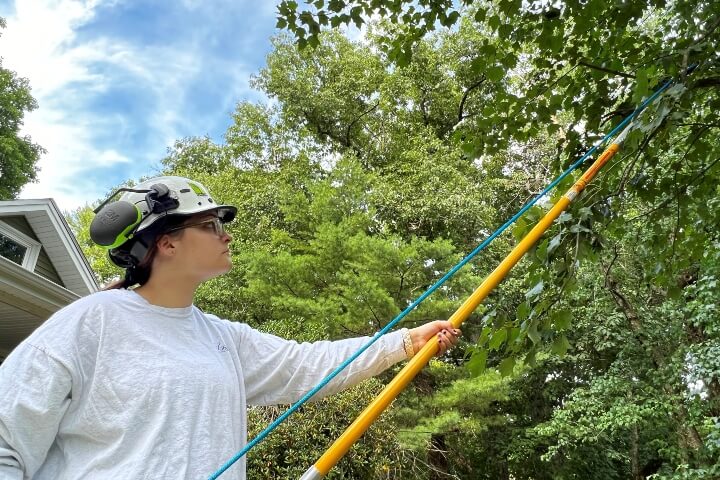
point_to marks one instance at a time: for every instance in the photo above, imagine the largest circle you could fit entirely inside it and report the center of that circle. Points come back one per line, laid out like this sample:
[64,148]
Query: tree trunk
[437,457]
[634,453]
[690,441]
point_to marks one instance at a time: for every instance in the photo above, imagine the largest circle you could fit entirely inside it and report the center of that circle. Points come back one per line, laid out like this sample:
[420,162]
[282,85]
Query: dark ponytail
[138,274]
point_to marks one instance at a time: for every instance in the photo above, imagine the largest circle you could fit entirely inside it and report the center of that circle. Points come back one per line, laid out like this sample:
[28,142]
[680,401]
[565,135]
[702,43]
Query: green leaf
[336,5]
[533,333]
[506,366]
[556,43]
[307,18]
[554,243]
[505,30]
[562,319]
[578,228]
[497,339]
[403,54]
[495,74]
[478,65]
[541,252]
[523,310]
[674,292]
[641,85]
[494,22]
[535,291]
[484,336]
[560,345]
[520,229]
[476,364]
[530,357]
[585,213]
[513,335]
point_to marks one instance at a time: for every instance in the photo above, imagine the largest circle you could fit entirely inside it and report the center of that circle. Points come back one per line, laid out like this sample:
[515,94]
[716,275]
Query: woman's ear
[166,245]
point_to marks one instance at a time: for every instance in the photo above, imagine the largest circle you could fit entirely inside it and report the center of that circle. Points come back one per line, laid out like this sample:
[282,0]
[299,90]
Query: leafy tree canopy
[18,154]
[370,175]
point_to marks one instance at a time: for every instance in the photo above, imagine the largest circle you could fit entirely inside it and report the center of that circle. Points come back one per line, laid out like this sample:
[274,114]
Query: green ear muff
[114,224]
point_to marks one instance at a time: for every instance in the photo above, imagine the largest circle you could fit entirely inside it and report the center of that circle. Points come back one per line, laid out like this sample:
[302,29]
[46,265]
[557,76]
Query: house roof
[55,235]
[26,298]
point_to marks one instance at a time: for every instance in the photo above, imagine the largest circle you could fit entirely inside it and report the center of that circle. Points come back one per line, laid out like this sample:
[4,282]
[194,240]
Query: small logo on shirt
[222,348]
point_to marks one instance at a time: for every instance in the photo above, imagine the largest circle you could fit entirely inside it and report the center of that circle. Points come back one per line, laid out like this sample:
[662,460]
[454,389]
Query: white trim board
[78,276]
[32,247]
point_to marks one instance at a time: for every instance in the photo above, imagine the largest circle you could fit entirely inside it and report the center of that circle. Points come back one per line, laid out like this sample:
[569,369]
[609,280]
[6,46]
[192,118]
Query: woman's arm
[35,396]
[282,371]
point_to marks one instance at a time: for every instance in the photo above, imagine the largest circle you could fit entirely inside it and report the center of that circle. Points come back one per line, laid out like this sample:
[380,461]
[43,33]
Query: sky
[118,81]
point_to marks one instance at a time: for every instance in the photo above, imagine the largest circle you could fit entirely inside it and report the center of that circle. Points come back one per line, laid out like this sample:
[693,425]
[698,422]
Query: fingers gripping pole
[341,446]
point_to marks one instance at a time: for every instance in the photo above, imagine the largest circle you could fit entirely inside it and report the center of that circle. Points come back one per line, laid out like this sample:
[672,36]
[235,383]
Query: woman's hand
[447,335]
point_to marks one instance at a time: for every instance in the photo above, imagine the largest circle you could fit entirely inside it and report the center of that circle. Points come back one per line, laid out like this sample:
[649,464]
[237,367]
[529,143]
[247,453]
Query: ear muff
[114,224]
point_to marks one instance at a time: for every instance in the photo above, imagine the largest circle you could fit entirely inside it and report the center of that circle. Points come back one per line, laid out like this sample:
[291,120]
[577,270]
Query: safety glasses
[214,225]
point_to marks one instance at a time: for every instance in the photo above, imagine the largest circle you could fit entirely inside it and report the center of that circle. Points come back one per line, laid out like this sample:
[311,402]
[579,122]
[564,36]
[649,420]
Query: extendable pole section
[341,446]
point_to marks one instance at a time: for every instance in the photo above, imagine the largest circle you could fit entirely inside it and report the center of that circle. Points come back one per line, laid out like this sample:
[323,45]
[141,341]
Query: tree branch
[465,96]
[708,33]
[347,133]
[631,165]
[667,201]
[707,82]
[606,70]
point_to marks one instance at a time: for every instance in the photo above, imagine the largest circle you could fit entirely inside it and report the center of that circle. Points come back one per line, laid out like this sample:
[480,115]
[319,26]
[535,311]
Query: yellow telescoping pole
[341,446]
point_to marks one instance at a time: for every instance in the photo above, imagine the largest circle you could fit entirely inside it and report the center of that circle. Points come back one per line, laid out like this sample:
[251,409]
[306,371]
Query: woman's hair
[140,273]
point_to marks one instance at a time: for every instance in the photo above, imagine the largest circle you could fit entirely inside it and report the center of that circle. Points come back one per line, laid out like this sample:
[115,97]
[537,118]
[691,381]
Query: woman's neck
[169,293]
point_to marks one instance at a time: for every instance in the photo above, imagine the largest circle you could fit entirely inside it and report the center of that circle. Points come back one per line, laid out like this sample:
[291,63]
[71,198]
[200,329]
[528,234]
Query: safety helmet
[128,226]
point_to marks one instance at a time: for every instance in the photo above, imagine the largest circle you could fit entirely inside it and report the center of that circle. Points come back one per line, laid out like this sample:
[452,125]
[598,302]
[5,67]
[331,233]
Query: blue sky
[118,81]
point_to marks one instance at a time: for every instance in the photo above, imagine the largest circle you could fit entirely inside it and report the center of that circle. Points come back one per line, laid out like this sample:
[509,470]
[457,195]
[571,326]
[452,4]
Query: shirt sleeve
[276,370]
[36,394]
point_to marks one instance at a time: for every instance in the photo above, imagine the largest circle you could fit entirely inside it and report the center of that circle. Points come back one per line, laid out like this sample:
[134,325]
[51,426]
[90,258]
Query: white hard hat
[128,226]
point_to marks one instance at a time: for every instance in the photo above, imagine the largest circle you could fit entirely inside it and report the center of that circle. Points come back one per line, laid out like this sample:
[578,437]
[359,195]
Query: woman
[138,382]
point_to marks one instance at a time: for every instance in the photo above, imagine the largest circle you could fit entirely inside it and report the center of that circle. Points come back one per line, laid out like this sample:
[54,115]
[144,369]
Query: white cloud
[72,68]
[70,151]
[36,32]
[37,44]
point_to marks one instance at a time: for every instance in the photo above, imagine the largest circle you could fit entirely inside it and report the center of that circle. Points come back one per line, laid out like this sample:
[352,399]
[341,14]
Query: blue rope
[437,285]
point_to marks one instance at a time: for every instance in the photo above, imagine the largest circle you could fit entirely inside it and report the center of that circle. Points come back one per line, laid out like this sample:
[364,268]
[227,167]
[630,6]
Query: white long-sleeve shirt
[112,386]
